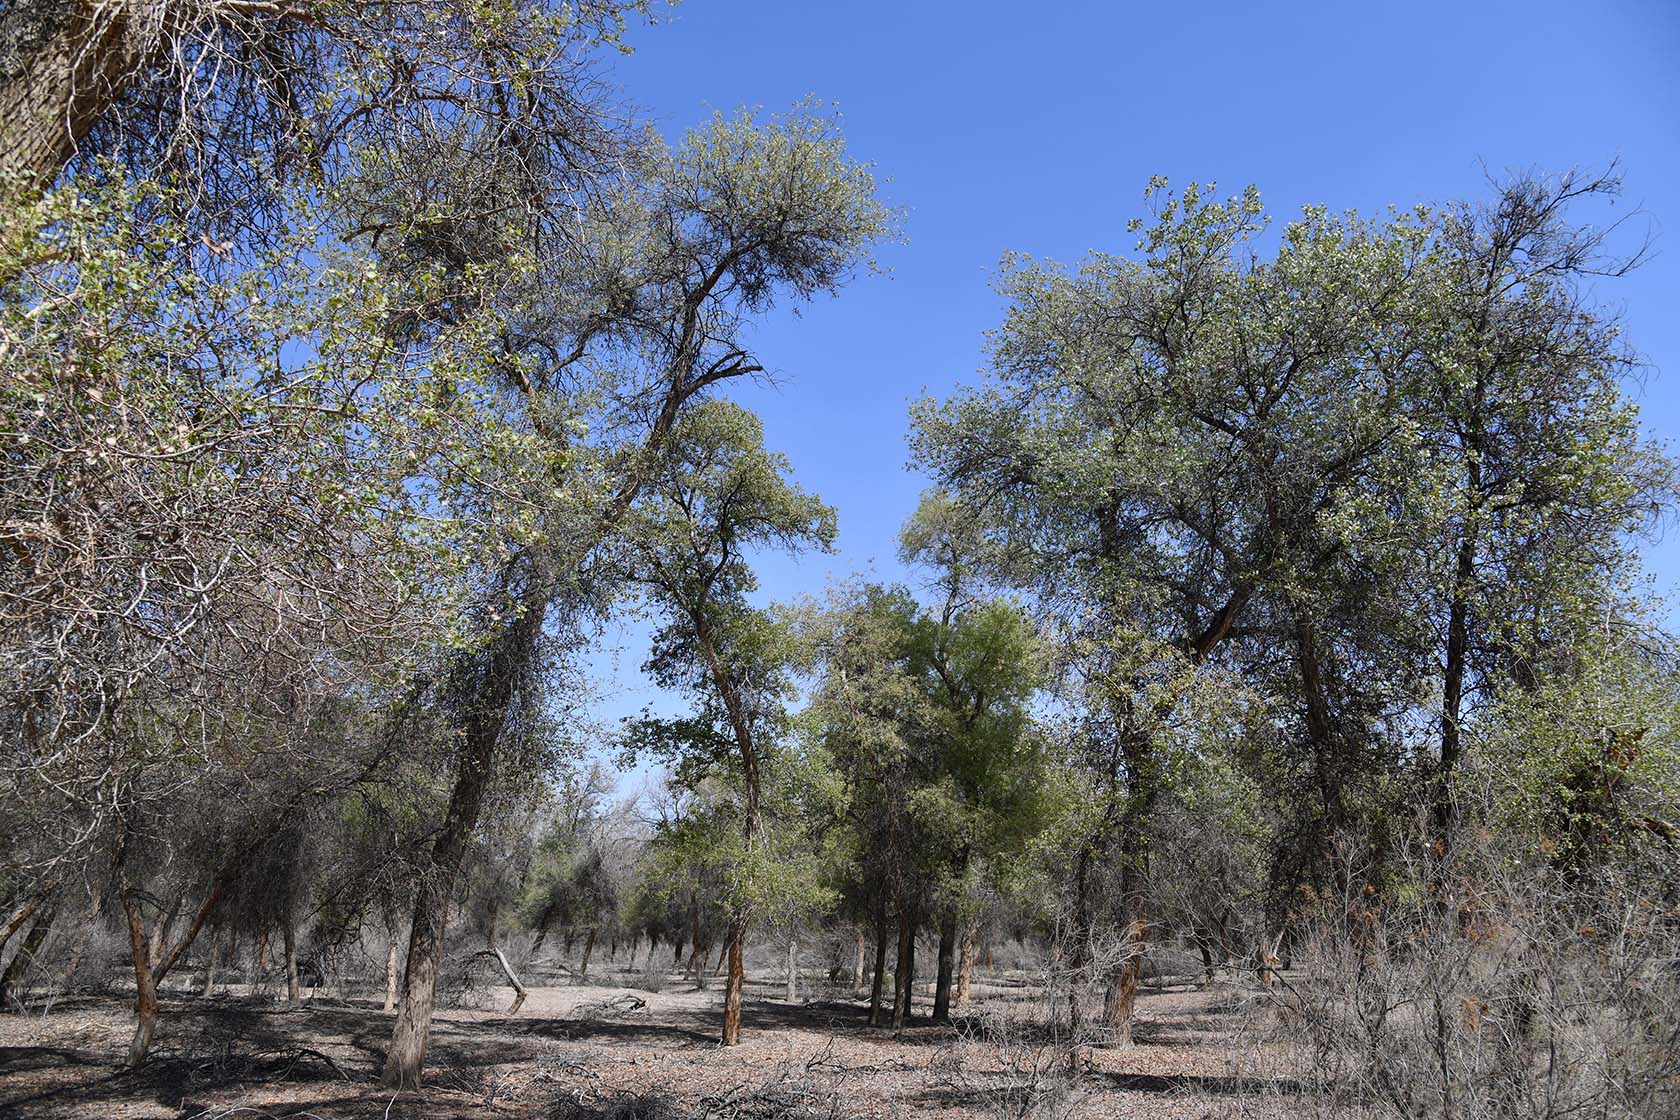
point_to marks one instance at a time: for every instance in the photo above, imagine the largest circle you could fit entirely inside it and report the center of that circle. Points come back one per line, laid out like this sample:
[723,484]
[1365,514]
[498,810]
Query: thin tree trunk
[588,950]
[697,964]
[735,985]
[877,984]
[857,961]
[947,968]
[294,996]
[145,988]
[209,984]
[965,966]
[1121,996]
[160,932]
[519,992]
[24,958]
[390,973]
[793,970]
[20,917]
[905,972]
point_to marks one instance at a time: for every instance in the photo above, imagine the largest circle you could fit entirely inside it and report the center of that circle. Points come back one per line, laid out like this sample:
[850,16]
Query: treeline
[359,364]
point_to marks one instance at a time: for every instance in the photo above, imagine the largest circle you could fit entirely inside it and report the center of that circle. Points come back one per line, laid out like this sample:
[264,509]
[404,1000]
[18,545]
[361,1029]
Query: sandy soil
[582,1052]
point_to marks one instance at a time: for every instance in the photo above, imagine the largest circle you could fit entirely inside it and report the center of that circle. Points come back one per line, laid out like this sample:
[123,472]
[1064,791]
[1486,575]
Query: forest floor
[594,1052]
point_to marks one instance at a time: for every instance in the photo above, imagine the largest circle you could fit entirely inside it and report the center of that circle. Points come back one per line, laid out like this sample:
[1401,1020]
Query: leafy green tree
[721,497]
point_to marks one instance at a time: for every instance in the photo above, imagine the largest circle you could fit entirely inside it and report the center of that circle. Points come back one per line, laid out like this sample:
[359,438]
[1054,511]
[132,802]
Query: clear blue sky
[1035,127]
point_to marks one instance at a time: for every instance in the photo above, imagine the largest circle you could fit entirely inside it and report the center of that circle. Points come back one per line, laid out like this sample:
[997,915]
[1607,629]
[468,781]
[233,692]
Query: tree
[648,321]
[721,497]
[1155,437]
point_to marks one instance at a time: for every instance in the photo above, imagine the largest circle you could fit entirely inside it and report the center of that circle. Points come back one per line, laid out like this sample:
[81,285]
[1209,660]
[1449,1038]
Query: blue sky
[1035,127]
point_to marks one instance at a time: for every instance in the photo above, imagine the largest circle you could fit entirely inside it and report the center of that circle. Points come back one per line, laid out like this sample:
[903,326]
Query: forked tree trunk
[877,985]
[947,968]
[24,958]
[965,966]
[904,976]
[733,987]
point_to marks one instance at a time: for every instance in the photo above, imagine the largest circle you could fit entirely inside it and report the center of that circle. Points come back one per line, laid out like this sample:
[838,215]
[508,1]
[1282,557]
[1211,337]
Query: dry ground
[567,1056]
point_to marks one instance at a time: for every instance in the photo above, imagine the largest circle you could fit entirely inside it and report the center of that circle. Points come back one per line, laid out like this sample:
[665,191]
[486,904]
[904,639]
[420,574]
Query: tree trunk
[1121,996]
[793,970]
[904,975]
[20,917]
[294,996]
[519,992]
[736,983]
[947,968]
[495,678]
[262,953]
[588,951]
[210,959]
[877,985]
[145,988]
[24,958]
[1452,682]
[391,974]
[697,964]
[965,966]
[857,962]
[1080,951]
[77,59]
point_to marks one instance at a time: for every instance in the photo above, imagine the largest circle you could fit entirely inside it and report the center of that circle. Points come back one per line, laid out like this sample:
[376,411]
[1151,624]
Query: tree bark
[877,984]
[947,968]
[391,974]
[72,61]
[588,951]
[793,970]
[857,962]
[736,984]
[1121,996]
[210,961]
[145,987]
[25,956]
[20,917]
[965,966]
[904,975]
[294,995]
[519,992]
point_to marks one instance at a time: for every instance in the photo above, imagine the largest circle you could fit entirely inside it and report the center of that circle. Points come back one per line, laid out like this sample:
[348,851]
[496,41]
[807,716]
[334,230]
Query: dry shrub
[1491,990]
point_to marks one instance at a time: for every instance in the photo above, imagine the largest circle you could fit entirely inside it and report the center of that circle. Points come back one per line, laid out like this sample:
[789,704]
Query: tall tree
[720,498]
[650,318]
